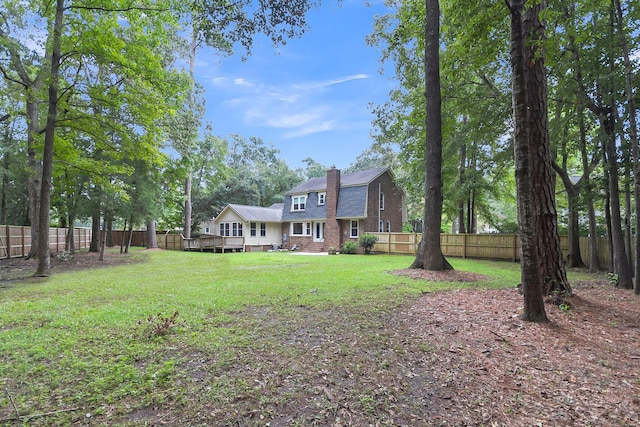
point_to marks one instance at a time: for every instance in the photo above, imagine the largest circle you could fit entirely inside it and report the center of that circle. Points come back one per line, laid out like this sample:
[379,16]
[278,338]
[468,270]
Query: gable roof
[346,180]
[257,213]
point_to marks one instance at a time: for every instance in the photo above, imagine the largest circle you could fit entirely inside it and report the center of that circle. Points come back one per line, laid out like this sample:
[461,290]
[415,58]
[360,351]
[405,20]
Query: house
[248,228]
[319,213]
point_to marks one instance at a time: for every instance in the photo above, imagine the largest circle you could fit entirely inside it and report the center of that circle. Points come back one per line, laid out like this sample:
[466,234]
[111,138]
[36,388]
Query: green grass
[85,340]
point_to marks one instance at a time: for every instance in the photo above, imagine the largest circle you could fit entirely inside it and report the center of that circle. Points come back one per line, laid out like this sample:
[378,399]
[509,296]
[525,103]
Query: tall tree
[429,256]
[550,256]
[531,281]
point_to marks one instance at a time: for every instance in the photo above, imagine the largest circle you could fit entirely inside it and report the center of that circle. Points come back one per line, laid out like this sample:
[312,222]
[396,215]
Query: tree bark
[531,282]
[550,258]
[461,205]
[152,241]
[429,255]
[633,137]
[95,233]
[44,262]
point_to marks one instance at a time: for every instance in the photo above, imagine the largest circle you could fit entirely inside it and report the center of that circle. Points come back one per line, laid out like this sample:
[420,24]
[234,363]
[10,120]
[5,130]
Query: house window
[388,226]
[206,230]
[321,198]
[224,228]
[263,229]
[381,201]
[354,228]
[380,226]
[298,203]
[236,229]
[253,229]
[301,229]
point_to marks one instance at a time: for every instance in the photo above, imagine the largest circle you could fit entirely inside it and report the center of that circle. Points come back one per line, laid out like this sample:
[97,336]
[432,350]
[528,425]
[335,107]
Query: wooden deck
[215,244]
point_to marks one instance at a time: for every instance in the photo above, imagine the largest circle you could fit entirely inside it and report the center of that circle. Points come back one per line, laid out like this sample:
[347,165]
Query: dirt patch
[440,276]
[16,269]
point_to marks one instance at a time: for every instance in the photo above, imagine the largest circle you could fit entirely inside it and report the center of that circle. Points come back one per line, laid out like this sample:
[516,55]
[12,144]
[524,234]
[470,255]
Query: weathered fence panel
[482,246]
[15,241]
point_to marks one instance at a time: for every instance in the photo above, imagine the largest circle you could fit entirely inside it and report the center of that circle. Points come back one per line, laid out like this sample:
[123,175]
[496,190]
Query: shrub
[366,241]
[349,248]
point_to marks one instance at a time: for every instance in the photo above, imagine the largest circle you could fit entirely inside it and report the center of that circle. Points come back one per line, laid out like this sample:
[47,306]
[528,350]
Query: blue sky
[309,98]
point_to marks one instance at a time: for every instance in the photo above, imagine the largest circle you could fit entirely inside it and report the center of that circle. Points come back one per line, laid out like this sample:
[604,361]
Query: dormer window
[322,198]
[298,203]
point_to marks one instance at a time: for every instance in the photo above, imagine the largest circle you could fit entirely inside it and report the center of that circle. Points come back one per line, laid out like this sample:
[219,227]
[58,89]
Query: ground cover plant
[283,339]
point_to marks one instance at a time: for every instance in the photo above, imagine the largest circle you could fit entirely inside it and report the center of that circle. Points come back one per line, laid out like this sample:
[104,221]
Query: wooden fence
[482,246]
[15,241]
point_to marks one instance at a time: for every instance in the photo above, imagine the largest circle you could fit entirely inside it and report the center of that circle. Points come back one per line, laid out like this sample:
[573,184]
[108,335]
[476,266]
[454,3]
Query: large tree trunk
[152,241]
[95,233]
[550,259]
[633,136]
[47,158]
[594,258]
[429,255]
[531,282]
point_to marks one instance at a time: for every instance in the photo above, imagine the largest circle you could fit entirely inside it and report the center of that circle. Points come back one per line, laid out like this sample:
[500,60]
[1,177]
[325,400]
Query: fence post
[389,243]
[464,245]
[8,250]
[24,242]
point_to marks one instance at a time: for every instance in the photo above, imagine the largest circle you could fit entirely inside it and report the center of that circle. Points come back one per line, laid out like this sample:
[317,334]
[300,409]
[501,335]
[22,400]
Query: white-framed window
[236,229]
[298,203]
[206,230]
[388,226]
[263,229]
[354,228]
[224,228]
[380,226]
[322,198]
[381,201]
[301,229]
[253,230]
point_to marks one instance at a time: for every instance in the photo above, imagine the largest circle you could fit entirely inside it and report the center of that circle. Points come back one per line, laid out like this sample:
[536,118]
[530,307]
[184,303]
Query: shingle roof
[346,180]
[257,213]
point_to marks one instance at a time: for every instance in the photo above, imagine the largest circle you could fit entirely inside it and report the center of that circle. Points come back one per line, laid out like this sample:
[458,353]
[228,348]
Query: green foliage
[367,241]
[349,248]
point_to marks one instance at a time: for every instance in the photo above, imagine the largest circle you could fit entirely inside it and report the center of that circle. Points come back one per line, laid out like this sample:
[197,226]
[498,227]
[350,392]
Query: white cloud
[298,109]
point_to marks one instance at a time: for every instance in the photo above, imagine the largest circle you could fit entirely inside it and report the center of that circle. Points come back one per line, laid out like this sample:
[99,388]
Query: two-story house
[319,213]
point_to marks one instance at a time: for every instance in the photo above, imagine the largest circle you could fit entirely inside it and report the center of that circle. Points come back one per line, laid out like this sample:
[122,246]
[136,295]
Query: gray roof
[352,202]
[346,180]
[257,213]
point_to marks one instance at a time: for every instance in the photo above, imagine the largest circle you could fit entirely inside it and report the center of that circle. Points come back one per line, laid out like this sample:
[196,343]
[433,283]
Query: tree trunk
[429,255]
[95,233]
[633,136]
[463,164]
[44,262]
[103,240]
[152,241]
[187,207]
[531,282]
[620,261]
[124,235]
[5,183]
[550,258]
[129,237]
[110,242]
[34,182]
[70,244]
[594,258]
[575,258]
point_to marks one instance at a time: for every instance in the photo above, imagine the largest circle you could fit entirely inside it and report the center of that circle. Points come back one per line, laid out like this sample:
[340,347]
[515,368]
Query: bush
[366,241]
[349,248]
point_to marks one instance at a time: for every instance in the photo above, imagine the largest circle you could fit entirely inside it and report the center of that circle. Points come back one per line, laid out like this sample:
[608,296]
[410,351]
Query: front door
[318,231]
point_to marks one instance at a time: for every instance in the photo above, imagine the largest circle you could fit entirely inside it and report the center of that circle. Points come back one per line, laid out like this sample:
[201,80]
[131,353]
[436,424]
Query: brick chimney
[332,235]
